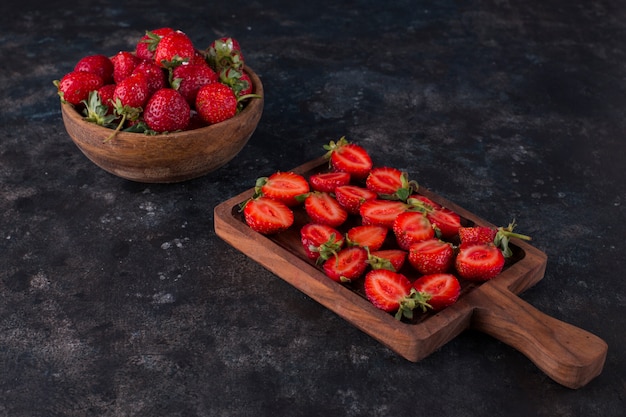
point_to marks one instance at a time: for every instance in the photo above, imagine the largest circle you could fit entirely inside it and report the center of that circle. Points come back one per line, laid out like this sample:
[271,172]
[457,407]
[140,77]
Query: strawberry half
[367,236]
[438,290]
[410,227]
[498,236]
[352,196]
[267,216]
[349,157]
[445,221]
[328,181]
[323,208]
[320,241]
[431,256]
[390,183]
[348,265]
[381,212]
[392,259]
[284,186]
[479,262]
[391,292]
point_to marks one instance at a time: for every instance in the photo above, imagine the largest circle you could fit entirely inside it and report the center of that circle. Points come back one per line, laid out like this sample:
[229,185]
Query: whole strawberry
[174,49]
[75,86]
[100,65]
[188,79]
[132,91]
[167,111]
[147,44]
[155,75]
[124,64]
[215,103]
[225,53]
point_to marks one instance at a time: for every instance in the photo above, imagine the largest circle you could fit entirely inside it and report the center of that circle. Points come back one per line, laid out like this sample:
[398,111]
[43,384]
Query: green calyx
[405,191]
[503,237]
[97,112]
[415,299]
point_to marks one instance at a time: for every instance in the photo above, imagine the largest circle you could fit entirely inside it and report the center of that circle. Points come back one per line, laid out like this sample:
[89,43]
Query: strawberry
[391,292]
[106,96]
[167,111]
[75,86]
[479,261]
[392,259]
[350,197]
[348,157]
[124,64]
[267,216]
[282,186]
[367,236]
[390,183]
[99,64]
[437,290]
[98,113]
[423,203]
[381,212]
[431,256]
[147,44]
[320,241]
[188,79]
[347,265]
[237,80]
[323,208]
[328,181]
[225,53]
[155,76]
[215,103]
[499,236]
[446,221]
[132,91]
[410,227]
[174,49]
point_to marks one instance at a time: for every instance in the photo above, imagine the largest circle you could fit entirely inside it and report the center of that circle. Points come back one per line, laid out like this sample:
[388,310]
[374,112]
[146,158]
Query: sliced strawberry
[381,212]
[367,236]
[438,290]
[267,216]
[390,183]
[423,203]
[320,241]
[324,209]
[392,259]
[410,227]
[477,234]
[391,292]
[352,196]
[283,186]
[431,256]
[348,265]
[446,221]
[328,181]
[349,157]
[479,262]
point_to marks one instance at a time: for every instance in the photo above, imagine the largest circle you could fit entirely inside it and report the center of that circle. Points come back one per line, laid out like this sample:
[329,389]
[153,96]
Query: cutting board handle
[567,354]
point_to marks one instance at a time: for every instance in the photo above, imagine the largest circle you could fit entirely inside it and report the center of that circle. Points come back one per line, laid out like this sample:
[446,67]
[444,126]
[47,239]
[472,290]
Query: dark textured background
[118,299]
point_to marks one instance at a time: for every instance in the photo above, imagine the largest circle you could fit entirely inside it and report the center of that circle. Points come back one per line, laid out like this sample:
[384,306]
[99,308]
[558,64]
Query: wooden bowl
[166,158]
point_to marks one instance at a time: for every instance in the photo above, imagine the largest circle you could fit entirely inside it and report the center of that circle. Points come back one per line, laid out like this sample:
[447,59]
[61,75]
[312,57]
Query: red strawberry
[282,186]
[106,96]
[100,65]
[367,236]
[320,241]
[391,292]
[390,183]
[328,181]
[381,212]
[188,79]
[445,221]
[167,111]
[323,208]
[431,256]
[410,227]
[392,259]
[499,236]
[423,203]
[75,86]
[174,49]
[132,91]
[351,197]
[267,216]
[124,64]
[215,103]
[349,157]
[438,290]
[225,53]
[479,262]
[155,75]
[147,44]
[348,265]
[237,80]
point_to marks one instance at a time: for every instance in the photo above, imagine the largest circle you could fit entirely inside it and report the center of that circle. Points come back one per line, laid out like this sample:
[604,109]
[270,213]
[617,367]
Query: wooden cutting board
[567,354]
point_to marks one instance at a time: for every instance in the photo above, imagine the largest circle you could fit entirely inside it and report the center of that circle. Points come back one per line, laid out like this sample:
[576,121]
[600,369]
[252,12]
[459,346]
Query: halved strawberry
[352,196]
[348,265]
[431,256]
[367,236]
[349,157]
[391,292]
[282,186]
[410,227]
[320,241]
[392,259]
[328,181]
[390,183]
[479,262]
[381,212]
[267,216]
[438,290]
[423,203]
[446,221]
[499,236]
[323,208]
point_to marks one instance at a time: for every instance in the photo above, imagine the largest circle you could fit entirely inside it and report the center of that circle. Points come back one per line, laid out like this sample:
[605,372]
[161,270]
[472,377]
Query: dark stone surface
[118,299]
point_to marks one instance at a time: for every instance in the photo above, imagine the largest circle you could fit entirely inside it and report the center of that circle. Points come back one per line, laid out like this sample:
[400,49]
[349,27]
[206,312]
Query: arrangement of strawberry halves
[370,226]
[166,84]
